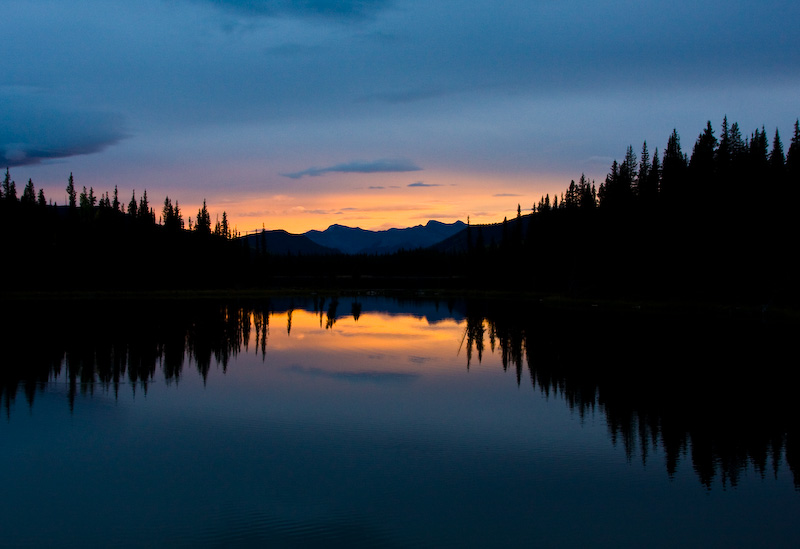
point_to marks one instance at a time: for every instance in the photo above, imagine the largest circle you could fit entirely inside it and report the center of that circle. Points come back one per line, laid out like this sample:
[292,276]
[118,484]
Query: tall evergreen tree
[176,212]
[793,156]
[673,171]
[71,193]
[586,194]
[701,165]
[226,230]
[644,170]
[132,205]
[777,161]
[759,155]
[9,188]
[168,214]
[203,222]
[793,168]
[143,211]
[723,152]
[29,194]
[572,197]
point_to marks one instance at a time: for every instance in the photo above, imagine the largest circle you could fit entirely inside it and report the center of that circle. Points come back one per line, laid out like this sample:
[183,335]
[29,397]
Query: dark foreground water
[374,422]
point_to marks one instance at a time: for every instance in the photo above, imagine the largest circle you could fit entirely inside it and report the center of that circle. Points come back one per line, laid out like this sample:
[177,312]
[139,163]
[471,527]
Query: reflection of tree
[678,383]
[107,344]
[261,324]
[331,315]
[708,392]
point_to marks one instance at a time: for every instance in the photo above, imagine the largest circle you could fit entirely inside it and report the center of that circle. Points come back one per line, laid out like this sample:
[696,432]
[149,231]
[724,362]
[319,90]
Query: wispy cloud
[386,165]
[423,184]
[500,195]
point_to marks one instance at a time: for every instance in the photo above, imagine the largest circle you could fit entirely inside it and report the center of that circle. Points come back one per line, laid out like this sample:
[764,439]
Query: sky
[297,114]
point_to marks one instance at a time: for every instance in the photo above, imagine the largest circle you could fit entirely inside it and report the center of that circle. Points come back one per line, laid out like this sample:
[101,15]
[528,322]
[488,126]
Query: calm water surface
[373,422]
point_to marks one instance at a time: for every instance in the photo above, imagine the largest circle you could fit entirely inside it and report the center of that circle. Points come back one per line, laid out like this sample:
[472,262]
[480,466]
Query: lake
[380,422]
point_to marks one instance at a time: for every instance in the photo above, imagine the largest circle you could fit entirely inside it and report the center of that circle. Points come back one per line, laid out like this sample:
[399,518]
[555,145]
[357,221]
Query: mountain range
[352,241]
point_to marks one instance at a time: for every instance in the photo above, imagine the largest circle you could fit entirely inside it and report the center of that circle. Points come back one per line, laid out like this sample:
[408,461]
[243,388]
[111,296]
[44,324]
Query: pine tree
[29,194]
[586,194]
[759,155]
[203,223]
[132,206]
[793,155]
[83,200]
[644,170]
[701,165]
[143,211]
[40,201]
[71,193]
[571,200]
[9,188]
[738,148]
[793,168]
[178,216]
[723,152]
[226,231]
[168,214]
[777,161]
[673,170]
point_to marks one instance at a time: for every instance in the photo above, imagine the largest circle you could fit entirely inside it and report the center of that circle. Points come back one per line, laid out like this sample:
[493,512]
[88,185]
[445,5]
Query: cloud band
[387,165]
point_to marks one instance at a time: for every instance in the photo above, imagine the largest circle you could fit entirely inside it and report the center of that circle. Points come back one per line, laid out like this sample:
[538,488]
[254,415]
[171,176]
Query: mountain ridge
[355,240]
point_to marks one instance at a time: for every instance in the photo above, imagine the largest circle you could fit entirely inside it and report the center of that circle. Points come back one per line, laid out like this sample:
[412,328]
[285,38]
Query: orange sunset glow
[402,339]
[388,201]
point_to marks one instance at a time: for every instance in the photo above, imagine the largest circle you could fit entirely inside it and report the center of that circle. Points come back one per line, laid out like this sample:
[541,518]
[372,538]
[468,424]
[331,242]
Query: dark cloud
[339,9]
[30,134]
[423,184]
[387,165]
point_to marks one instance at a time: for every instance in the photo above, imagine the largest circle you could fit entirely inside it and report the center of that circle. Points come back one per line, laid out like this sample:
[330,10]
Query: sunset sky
[297,114]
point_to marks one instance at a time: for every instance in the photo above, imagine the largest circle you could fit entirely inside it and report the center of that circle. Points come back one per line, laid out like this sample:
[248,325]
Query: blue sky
[300,113]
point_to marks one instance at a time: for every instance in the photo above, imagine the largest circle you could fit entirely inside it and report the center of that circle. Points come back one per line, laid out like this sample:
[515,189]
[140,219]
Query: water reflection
[714,391]
[717,389]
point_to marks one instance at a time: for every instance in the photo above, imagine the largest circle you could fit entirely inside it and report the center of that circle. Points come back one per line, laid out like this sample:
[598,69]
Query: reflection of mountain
[433,310]
[713,392]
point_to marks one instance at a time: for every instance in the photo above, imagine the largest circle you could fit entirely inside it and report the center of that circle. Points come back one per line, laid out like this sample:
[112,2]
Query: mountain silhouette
[280,242]
[351,240]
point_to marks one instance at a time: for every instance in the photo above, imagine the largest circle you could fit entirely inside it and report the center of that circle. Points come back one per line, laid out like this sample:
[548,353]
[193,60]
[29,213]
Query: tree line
[97,241]
[718,224]
[89,205]
[719,173]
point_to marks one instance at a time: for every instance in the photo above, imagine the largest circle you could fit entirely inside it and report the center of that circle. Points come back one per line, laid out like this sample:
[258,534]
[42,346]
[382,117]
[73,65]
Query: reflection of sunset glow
[398,339]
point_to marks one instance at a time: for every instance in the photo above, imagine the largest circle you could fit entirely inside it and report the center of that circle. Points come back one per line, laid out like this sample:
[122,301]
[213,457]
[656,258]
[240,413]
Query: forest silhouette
[718,224]
[710,391]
